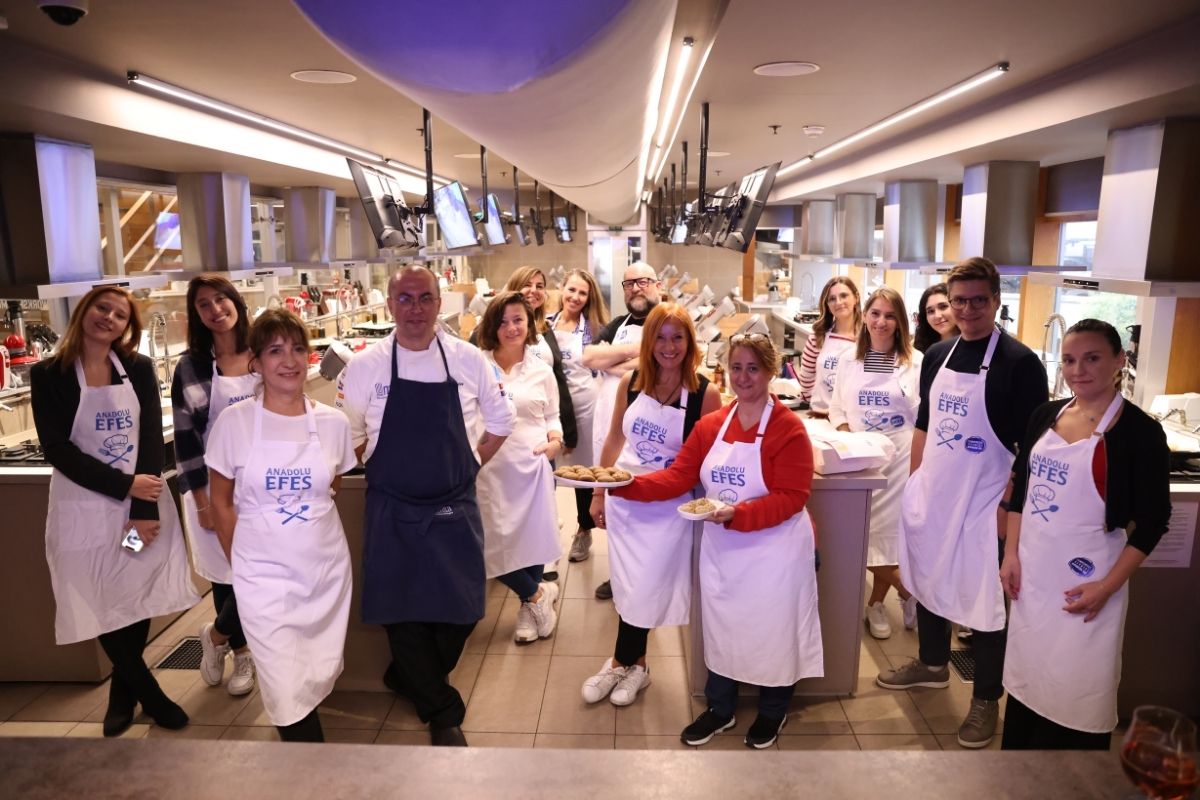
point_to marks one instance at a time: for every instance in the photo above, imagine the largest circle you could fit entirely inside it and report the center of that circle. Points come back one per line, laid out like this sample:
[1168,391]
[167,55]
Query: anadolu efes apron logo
[947,433]
[1083,567]
[727,496]
[1041,500]
[878,420]
[976,444]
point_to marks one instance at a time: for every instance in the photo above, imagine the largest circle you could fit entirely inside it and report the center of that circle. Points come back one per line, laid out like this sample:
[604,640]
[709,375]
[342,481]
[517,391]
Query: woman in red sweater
[758,583]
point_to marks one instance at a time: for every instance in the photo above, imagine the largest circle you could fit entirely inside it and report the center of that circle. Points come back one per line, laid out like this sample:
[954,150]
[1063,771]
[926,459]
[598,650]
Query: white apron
[1055,664]
[649,544]
[291,571]
[606,391]
[833,350]
[515,489]
[949,551]
[581,383]
[758,590]
[876,402]
[100,586]
[208,558]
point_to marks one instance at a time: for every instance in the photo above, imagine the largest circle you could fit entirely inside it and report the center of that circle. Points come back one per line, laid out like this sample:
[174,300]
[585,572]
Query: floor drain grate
[963,662]
[186,655]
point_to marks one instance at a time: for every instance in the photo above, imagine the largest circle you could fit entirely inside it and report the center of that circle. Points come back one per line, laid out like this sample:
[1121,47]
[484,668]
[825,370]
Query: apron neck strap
[987,355]
[441,350]
[310,418]
[762,421]
[1105,420]
[116,362]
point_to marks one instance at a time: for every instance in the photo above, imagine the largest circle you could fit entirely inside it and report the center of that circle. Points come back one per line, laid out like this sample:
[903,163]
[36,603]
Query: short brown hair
[975,269]
[764,350]
[489,326]
[276,323]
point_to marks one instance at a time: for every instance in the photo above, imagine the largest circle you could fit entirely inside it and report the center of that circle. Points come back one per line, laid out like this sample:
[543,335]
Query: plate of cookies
[582,477]
[699,510]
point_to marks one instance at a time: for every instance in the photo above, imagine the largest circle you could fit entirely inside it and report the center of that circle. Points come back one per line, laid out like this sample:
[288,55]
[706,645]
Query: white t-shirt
[232,435]
[532,387]
[363,386]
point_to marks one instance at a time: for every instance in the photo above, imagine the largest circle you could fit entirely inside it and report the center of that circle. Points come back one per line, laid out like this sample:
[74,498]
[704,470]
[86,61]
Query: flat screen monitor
[679,233]
[495,225]
[521,234]
[539,233]
[742,214]
[563,234]
[786,235]
[561,223]
[710,222]
[454,216]
[393,224]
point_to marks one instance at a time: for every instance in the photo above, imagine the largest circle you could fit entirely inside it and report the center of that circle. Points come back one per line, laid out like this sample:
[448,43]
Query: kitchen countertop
[54,768]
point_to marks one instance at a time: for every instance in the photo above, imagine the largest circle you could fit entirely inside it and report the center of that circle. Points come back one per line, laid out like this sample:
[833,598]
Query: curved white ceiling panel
[568,92]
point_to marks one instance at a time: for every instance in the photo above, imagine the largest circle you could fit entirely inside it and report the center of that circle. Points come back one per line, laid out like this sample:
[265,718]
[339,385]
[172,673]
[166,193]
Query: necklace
[662,399]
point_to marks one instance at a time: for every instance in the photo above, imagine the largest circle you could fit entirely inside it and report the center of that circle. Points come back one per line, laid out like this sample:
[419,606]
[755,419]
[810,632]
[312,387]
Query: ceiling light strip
[947,94]
[170,90]
[653,177]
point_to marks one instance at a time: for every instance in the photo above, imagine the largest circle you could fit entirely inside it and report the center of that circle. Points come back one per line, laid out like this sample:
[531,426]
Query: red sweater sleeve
[787,464]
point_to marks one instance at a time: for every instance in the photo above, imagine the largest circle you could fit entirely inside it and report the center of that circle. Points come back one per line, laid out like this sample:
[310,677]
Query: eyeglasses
[407,301]
[641,283]
[977,302]
[747,337]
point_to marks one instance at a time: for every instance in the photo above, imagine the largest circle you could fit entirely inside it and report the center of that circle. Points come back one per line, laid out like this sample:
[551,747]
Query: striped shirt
[879,362]
[808,364]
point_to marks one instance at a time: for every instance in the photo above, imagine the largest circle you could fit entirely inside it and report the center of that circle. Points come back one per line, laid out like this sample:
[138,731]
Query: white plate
[699,517]
[590,484]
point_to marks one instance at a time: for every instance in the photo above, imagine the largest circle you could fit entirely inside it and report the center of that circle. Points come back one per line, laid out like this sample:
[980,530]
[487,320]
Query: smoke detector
[813,131]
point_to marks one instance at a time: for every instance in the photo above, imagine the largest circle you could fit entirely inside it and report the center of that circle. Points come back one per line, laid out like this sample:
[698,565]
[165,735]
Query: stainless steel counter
[54,768]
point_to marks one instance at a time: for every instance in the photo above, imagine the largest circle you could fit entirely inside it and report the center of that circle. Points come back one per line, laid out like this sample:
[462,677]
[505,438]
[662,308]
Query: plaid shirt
[190,391]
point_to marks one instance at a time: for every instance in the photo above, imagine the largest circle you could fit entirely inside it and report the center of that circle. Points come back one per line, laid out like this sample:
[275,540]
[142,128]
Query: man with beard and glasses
[615,352]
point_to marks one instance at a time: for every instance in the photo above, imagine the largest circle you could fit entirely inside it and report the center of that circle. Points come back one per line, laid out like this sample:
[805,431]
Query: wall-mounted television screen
[393,224]
[454,216]
[743,214]
[495,225]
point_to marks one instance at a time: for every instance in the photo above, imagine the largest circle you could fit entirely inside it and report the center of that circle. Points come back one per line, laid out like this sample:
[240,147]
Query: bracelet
[206,508]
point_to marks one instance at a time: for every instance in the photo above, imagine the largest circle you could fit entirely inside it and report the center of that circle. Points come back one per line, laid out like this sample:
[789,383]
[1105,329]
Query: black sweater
[55,397]
[1137,485]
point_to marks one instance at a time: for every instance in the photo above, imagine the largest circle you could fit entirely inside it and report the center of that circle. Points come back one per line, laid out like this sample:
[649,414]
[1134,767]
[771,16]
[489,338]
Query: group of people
[459,440]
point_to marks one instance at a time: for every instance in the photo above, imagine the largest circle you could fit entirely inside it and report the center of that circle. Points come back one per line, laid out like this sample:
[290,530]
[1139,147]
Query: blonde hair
[825,324]
[660,315]
[595,311]
[72,342]
[522,276]
[901,339]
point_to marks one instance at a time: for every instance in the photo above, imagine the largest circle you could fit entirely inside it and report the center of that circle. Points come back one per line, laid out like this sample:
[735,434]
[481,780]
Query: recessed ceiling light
[326,76]
[786,69]
[467,155]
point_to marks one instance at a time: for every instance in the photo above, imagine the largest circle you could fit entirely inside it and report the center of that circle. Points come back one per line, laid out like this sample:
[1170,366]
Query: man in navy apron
[411,398]
[977,394]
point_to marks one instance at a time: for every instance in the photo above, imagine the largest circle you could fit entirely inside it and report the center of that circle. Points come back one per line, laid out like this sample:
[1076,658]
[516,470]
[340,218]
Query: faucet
[1052,322]
[1181,413]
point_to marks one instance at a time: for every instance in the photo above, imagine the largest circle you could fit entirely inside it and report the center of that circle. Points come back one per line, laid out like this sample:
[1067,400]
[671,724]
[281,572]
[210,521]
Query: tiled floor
[528,696]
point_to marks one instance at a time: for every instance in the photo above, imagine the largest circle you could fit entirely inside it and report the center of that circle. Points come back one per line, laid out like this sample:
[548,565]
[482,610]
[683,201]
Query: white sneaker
[526,628]
[877,621]
[909,608]
[636,678]
[242,680]
[212,658]
[543,611]
[600,685]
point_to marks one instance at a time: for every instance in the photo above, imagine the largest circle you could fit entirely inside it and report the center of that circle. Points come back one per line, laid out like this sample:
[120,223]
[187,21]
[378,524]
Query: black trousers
[132,682]
[423,656]
[228,623]
[306,730]
[933,633]
[631,643]
[721,693]
[583,509]
[1025,729]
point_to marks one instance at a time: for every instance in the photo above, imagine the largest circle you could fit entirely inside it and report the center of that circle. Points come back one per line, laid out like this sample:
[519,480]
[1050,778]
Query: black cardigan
[1138,483]
[55,396]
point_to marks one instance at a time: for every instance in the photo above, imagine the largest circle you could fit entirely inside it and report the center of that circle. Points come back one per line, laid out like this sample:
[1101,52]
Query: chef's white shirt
[363,386]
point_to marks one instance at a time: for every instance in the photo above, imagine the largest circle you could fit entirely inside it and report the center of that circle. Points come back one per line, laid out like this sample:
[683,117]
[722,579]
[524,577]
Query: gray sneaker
[581,546]
[979,727]
[915,673]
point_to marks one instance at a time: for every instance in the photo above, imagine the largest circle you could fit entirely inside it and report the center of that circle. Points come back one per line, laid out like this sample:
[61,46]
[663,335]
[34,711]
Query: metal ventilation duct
[308,224]
[49,218]
[818,228]
[912,216]
[362,239]
[214,221]
[999,205]
[1149,203]
[855,225]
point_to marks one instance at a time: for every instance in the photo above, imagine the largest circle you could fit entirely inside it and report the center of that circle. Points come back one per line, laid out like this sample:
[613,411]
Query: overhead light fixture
[323,76]
[717,153]
[472,156]
[664,121]
[258,120]
[786,69]
[946,94]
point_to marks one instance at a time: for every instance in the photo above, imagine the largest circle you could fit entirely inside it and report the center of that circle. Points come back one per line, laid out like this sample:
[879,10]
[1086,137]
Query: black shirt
[55,398]
[1137,485]
[610,330]
[1015,385]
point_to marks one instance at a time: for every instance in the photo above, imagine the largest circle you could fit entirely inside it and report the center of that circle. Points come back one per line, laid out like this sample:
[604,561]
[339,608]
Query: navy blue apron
[422,535]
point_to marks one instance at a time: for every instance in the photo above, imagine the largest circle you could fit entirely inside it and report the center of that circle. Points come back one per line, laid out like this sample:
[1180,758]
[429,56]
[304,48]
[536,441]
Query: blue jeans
[721,693]
[524,582]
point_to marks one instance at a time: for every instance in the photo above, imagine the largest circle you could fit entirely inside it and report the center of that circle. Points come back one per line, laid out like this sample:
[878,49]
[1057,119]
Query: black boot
[121,705]
[155,702]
